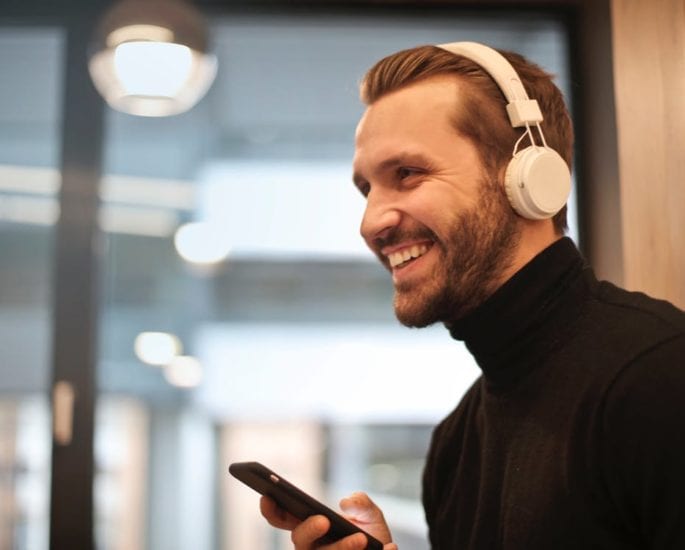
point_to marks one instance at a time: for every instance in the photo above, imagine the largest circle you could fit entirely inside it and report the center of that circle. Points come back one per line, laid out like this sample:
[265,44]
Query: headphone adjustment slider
[524,111]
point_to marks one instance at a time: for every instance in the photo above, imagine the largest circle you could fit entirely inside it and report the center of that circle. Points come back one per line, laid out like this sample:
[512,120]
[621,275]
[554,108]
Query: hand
[358,508]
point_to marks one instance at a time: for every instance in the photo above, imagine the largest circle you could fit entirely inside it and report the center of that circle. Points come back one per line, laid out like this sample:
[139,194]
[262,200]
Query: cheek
[438,215]
[441,199]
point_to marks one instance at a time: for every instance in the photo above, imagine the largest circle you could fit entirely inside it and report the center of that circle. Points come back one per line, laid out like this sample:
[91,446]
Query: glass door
[184,364]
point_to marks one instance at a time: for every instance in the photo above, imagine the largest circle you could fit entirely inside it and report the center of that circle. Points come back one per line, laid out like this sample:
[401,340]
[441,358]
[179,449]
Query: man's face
[433,216]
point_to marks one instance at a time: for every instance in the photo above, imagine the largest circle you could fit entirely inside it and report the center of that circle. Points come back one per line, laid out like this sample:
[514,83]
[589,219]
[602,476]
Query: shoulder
[650,385]
[649,391]
[637,306]
[621,326]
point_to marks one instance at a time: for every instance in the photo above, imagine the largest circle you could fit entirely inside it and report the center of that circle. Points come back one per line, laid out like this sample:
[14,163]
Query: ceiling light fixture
[151,57]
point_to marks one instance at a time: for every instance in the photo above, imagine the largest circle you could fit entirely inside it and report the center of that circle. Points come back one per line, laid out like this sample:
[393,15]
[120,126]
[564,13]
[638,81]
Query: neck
[535,236]
[509,331]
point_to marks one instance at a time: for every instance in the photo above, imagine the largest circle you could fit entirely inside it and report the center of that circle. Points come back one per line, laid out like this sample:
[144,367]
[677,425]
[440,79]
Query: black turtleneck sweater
[574,435]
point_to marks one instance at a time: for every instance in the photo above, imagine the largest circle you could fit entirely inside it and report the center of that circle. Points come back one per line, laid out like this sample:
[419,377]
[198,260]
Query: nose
[380,217]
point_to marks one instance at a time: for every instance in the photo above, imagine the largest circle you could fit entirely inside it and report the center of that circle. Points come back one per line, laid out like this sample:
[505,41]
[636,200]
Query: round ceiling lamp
[151,57]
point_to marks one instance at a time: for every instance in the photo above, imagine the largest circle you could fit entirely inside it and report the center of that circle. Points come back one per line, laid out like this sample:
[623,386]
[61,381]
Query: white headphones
[537,179]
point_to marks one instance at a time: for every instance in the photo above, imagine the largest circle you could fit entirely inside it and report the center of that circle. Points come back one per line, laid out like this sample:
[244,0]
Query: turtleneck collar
[512,329]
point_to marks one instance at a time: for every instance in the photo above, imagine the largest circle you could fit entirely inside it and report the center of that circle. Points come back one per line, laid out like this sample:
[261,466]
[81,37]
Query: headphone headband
[522,111]
[537,180]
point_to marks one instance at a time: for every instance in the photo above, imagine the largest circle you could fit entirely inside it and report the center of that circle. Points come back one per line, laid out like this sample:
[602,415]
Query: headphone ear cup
[537,182]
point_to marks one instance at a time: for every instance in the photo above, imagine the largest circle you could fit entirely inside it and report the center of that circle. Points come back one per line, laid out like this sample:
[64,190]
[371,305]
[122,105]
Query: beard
[478,248]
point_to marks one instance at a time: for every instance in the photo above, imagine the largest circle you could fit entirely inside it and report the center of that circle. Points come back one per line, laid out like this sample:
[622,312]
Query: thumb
[360,509]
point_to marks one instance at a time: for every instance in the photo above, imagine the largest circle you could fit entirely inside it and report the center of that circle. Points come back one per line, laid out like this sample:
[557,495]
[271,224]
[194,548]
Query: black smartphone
[297,502]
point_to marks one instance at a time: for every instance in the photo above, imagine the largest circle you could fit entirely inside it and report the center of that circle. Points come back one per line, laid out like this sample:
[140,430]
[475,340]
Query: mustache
[396,235]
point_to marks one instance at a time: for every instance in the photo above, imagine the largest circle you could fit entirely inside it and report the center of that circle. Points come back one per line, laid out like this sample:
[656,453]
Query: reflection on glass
[121,457]
[30,99]
[24,473]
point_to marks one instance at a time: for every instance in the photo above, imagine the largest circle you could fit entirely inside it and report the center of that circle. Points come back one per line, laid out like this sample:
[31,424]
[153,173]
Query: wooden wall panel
[649,78]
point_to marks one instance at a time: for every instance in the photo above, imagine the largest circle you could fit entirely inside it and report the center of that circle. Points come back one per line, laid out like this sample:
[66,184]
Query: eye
[404,172]
[364,188]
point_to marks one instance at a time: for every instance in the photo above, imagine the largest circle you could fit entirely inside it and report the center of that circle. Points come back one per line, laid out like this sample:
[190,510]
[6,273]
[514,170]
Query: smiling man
[573,437]
[435,216]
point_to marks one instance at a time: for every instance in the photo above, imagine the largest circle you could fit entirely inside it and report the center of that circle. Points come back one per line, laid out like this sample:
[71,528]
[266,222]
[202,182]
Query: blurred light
[201,243]
[34,210]
[150,58]
[30,180]
[155,192]
[131,205]
[153,69]
[157,348]
[132,32]
[184,371]
[132,220]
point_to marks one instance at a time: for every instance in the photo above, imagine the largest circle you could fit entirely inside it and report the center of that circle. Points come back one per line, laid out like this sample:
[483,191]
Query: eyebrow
[400,159]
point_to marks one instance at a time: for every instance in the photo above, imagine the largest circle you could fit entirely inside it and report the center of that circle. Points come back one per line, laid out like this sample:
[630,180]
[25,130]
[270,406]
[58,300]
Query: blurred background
[204,296]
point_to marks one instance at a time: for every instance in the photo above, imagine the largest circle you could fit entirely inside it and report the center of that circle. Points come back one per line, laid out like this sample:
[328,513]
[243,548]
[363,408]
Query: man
[574,436]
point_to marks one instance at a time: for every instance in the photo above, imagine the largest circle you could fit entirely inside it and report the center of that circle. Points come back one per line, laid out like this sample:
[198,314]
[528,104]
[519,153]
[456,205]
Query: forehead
[430,99]
[417,118]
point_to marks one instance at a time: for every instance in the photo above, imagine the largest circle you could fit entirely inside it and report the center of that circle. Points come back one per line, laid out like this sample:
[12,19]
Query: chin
[413,321]
[415,313]
[441,306]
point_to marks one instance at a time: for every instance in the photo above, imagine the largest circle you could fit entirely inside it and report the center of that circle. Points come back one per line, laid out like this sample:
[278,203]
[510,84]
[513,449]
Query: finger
[276,516]
[309,531]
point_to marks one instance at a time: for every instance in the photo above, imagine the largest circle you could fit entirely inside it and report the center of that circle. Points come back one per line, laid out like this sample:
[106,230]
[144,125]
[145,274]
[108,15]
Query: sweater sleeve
[643,446]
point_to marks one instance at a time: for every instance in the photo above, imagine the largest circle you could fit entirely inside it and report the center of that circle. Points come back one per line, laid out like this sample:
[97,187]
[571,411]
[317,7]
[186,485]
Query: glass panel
[30,64]
[301,363]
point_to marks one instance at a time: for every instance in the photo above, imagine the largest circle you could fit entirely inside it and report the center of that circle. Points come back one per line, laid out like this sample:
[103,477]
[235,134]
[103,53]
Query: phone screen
[295,501]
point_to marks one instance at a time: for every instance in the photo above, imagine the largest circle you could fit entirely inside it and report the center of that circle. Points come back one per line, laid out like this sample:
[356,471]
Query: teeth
[397,258]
